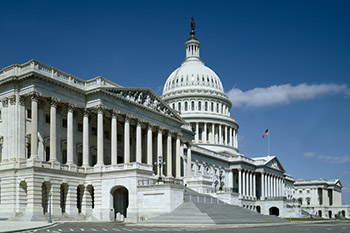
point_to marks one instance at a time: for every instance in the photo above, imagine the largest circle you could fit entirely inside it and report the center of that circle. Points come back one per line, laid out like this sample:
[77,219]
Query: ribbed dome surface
[192,74]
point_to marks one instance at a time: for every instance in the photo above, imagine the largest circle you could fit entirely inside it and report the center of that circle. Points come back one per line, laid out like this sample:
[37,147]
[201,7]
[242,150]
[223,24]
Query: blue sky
[284,64]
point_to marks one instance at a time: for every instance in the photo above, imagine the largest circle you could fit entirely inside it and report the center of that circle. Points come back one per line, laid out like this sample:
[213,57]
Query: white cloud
[283,94]
[309,154]
[334,159]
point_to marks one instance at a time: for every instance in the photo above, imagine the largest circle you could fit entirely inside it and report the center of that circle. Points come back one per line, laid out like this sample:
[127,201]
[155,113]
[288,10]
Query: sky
[285,65]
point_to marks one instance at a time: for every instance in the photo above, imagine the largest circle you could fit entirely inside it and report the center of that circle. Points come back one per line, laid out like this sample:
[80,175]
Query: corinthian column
[138,142]
[86,146]
[127,140]
[70,134]
[53,127]
[169,156]
[34,126]
[159,148]
[100,111]
[149,145]
[189,159]
[114,139]
[178,159]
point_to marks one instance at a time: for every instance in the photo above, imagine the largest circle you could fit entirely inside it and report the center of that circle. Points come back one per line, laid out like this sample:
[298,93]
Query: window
[300,191]
[199,106]
[186,106]
[80,127]
[47,150]
[179,106]
[93,131]
[106,132]
[206,106]
[173,106]
[217,108]
[47,118]
[192,105]
[0,114]
[212,106]
[29,113]
[64,123]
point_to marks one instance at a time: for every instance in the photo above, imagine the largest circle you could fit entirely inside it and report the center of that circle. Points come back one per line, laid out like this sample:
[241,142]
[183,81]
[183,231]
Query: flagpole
[268,144]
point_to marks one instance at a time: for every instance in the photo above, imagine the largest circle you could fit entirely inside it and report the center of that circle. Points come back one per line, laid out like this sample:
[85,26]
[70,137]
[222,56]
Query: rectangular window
[107,134]
[93,131]
[0,115]
[29,113]
[80,127]
[47,118]
[64,123]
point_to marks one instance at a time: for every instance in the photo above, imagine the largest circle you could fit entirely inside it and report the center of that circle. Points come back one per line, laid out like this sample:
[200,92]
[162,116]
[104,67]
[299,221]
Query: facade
[321,198]
[93,150]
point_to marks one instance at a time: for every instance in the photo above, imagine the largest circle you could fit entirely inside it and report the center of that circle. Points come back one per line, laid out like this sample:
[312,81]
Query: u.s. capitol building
[93,150]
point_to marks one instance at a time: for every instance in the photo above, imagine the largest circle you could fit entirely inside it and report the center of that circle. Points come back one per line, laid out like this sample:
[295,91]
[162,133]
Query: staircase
[204,209]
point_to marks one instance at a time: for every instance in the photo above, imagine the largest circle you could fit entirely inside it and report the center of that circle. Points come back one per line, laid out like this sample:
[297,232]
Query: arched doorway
[120,201]
[274,211]
[320,213]
[342,213]
[330,214]
[258,209]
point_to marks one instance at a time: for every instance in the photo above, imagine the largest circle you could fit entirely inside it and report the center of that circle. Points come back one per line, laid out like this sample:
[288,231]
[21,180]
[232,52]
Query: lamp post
[160,164]
[50,218]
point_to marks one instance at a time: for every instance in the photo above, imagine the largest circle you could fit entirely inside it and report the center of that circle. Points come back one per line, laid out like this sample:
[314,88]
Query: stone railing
[164,180]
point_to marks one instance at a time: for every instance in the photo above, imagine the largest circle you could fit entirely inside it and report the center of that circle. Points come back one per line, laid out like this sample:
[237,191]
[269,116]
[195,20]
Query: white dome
[193,74]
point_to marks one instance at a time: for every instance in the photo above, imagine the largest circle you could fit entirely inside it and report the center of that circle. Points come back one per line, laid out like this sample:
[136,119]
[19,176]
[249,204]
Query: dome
[193,74]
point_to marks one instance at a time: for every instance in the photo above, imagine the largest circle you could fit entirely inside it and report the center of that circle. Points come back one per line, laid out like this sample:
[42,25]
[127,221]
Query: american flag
[266,133]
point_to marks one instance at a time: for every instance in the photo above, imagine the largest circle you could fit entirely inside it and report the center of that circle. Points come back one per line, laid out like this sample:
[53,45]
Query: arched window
[173,105]
[179,106]
[186,107]
[217,108]
[212,106]
[206,106]
[199,105]
[192,105]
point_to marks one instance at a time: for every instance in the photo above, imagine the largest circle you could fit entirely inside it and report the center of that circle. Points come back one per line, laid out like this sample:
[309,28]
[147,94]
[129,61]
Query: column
[274,186]
[159,149]
[254,186]
[244,184]
[231,141]
[138,142]
[34,127]
[226,139]
[149,145]
[189,159]
[234,138]
[205,133]
[169,156]
[127,140]
[53,127]
[71,202]
[114,138]
[100,136]
[268,185]
[239,181]
[70,134]
[262,186]
[212,134]
[220,134]
[178,159]
[197,133]
[86,144]
[250,184]
[229,180]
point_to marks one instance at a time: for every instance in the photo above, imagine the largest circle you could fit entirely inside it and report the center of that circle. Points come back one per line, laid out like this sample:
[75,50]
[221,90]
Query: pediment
[275,164]
[147,99]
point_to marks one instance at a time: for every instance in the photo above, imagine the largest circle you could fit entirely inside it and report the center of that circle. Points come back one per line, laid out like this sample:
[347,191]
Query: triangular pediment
[275,164]
[146,98]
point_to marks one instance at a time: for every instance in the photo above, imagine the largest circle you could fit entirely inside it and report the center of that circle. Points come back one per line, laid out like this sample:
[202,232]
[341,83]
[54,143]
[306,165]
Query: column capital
[139,122]
[127,118]
[100,109]
[5,102]
[54,101]
[115,113]
[71,107]
[13,99]
[21,100]
[34,95]
[160,130]
[86,112]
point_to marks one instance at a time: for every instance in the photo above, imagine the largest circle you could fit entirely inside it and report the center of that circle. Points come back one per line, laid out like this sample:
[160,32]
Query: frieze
[144,98]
